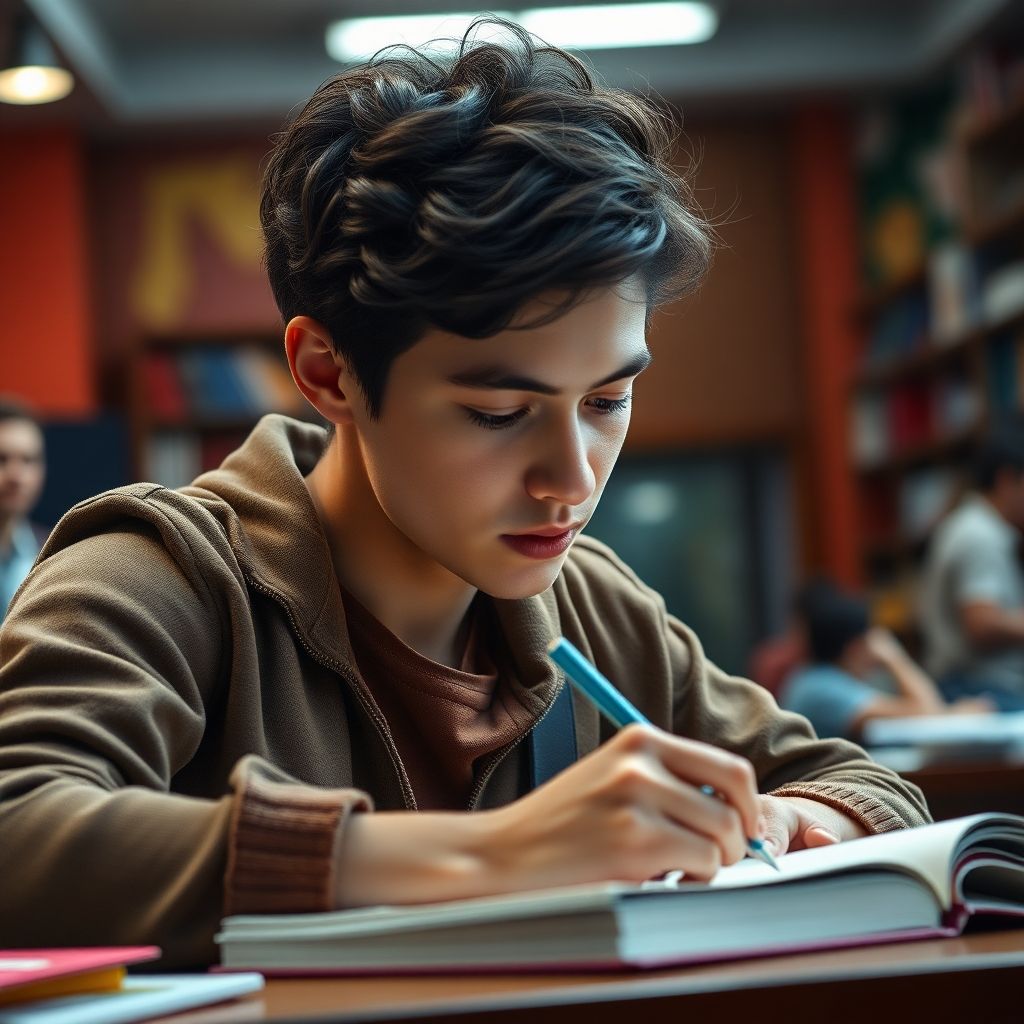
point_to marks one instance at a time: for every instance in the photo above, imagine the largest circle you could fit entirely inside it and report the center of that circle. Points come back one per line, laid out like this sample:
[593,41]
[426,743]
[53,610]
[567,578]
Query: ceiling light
[593,27]
[617,26]
[352,39]
[32,73]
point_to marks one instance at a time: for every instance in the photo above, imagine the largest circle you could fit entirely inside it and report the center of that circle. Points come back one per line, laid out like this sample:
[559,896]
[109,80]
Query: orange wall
[45,344]
[826,225]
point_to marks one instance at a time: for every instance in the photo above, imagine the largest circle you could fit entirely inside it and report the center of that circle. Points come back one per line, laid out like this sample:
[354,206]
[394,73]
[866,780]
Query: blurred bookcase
[197,395]
[942,314]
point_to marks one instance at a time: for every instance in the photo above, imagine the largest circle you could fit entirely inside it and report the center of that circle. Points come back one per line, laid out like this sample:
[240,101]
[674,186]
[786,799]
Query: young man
[972,609]
[206,692]
[22,473]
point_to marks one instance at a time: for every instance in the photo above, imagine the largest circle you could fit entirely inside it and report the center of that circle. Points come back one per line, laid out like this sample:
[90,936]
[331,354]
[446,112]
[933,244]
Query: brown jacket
[183,730]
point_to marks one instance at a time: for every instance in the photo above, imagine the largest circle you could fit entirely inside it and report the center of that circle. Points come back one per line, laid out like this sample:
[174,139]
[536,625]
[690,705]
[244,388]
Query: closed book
[228,397]
[167,400]
[25,973]
[919,882]
[139,998]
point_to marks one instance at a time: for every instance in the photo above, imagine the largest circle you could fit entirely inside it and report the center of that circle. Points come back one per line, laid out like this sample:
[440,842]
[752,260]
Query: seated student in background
[232,697]
[834,690]
[972,593]
[22,473]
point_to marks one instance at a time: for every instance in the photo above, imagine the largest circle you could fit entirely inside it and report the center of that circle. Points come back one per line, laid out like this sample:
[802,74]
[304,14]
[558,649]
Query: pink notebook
[26,966]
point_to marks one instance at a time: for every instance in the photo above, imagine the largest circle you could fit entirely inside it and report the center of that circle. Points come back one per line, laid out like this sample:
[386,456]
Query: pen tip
[762,853]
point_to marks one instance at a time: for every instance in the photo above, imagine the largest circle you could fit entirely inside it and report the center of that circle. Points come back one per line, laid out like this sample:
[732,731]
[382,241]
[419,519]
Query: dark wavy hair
[999,450]
[421,190]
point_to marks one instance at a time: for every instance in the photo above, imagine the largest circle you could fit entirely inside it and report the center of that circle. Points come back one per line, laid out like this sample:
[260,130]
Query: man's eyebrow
[498,378]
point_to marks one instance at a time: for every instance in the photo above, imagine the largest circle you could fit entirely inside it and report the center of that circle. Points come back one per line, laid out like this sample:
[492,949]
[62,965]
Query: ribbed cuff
[283,845]
[874,815]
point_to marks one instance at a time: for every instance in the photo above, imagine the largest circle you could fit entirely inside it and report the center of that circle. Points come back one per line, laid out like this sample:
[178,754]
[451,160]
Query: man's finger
[818,835]
[776,832]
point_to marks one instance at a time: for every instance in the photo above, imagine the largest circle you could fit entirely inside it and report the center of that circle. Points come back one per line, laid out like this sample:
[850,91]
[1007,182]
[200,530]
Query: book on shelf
[218,383]
[900,328]
[870,434]
[164,389]
[925,496]
[1003,371]
[919,882]
[909,415]
[952,292]
[957,405]
[172,457]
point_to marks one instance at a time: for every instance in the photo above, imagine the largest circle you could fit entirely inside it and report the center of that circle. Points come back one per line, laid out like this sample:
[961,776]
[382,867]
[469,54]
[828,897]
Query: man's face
[21,467]
[482,444]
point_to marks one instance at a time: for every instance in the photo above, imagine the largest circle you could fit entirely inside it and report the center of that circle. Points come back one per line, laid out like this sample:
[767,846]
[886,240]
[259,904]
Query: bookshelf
[942,355]
[197,395]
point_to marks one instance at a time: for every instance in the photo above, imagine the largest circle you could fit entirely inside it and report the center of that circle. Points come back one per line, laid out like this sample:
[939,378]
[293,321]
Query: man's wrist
[410,857]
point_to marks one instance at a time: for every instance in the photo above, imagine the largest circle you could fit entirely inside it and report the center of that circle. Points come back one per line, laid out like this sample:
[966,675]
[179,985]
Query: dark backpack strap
[553,740]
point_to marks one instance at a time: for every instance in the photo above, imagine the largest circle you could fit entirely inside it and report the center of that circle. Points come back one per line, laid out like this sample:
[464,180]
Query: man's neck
[421,602]
[999,505]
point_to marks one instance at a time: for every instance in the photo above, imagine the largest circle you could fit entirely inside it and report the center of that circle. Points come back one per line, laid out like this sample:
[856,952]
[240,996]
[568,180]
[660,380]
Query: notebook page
[927,852]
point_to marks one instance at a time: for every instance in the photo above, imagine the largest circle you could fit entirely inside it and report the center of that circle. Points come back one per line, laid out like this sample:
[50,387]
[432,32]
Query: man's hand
[630,810]
[795,823]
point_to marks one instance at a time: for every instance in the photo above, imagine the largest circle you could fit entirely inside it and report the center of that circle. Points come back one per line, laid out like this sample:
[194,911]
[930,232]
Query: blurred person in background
[855,671]
[22,472]
[972,597]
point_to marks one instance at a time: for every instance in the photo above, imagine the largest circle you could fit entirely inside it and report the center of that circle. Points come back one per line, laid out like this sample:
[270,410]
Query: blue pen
[586,678]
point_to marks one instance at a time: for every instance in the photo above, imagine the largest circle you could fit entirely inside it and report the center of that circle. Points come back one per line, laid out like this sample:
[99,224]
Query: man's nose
[562,471]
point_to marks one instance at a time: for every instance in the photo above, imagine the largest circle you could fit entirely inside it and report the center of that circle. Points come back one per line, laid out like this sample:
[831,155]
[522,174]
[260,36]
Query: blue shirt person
[22,472]
[839,689]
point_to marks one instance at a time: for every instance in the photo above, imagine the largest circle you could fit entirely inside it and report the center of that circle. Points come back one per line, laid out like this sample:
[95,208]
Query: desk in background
[977,978]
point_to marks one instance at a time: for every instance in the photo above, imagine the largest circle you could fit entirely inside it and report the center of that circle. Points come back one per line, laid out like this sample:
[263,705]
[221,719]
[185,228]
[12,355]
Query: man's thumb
[818,835]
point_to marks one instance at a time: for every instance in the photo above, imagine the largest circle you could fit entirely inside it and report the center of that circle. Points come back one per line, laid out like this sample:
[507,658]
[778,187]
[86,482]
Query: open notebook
[919,882]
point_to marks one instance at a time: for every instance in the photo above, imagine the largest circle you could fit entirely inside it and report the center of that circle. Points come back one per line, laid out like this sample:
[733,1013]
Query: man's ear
[319,373]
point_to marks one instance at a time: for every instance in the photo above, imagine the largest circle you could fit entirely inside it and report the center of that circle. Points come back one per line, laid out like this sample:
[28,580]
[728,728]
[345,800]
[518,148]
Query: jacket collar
[279,541]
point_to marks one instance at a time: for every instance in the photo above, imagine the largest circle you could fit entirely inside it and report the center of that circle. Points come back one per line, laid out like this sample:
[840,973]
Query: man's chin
[519,586]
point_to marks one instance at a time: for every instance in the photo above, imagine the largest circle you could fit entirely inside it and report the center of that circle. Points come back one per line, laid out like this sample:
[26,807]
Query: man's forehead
[20,435]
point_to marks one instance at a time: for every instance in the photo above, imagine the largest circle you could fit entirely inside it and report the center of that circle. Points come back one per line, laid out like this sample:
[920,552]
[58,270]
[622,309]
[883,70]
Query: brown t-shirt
[443,720]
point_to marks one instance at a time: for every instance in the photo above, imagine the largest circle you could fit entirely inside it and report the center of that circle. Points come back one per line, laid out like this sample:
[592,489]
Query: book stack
[91,986]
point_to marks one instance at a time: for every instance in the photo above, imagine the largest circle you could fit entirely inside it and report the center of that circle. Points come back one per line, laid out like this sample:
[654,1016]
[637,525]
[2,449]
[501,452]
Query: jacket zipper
[372,711]
[500,756]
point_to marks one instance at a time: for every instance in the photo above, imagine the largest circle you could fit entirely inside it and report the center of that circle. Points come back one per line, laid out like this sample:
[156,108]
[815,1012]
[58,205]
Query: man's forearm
[989,627]
[915,686]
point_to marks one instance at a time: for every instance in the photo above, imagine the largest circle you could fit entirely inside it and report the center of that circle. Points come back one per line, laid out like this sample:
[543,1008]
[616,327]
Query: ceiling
[153,63]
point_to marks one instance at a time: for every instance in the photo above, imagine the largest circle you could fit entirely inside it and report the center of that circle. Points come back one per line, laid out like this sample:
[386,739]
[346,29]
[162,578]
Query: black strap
[553,740]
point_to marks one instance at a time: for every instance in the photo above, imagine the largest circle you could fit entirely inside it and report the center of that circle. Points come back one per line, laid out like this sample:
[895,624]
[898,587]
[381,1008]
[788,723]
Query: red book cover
[910,417]
[27,966]
[167,400]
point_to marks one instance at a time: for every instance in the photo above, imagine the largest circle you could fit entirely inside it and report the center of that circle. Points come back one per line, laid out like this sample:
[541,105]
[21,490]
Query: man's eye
[492,421]
[608,405]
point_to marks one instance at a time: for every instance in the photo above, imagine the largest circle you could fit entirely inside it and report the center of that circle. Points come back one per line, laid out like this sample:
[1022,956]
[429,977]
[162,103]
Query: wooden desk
[977,978]
[956,788]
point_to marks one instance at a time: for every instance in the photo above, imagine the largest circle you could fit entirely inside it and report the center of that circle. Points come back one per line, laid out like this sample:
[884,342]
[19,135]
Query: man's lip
[547,531]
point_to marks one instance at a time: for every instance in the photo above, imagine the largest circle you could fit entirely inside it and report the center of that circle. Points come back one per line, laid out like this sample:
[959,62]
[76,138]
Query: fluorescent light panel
[594,27]
[34,84]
